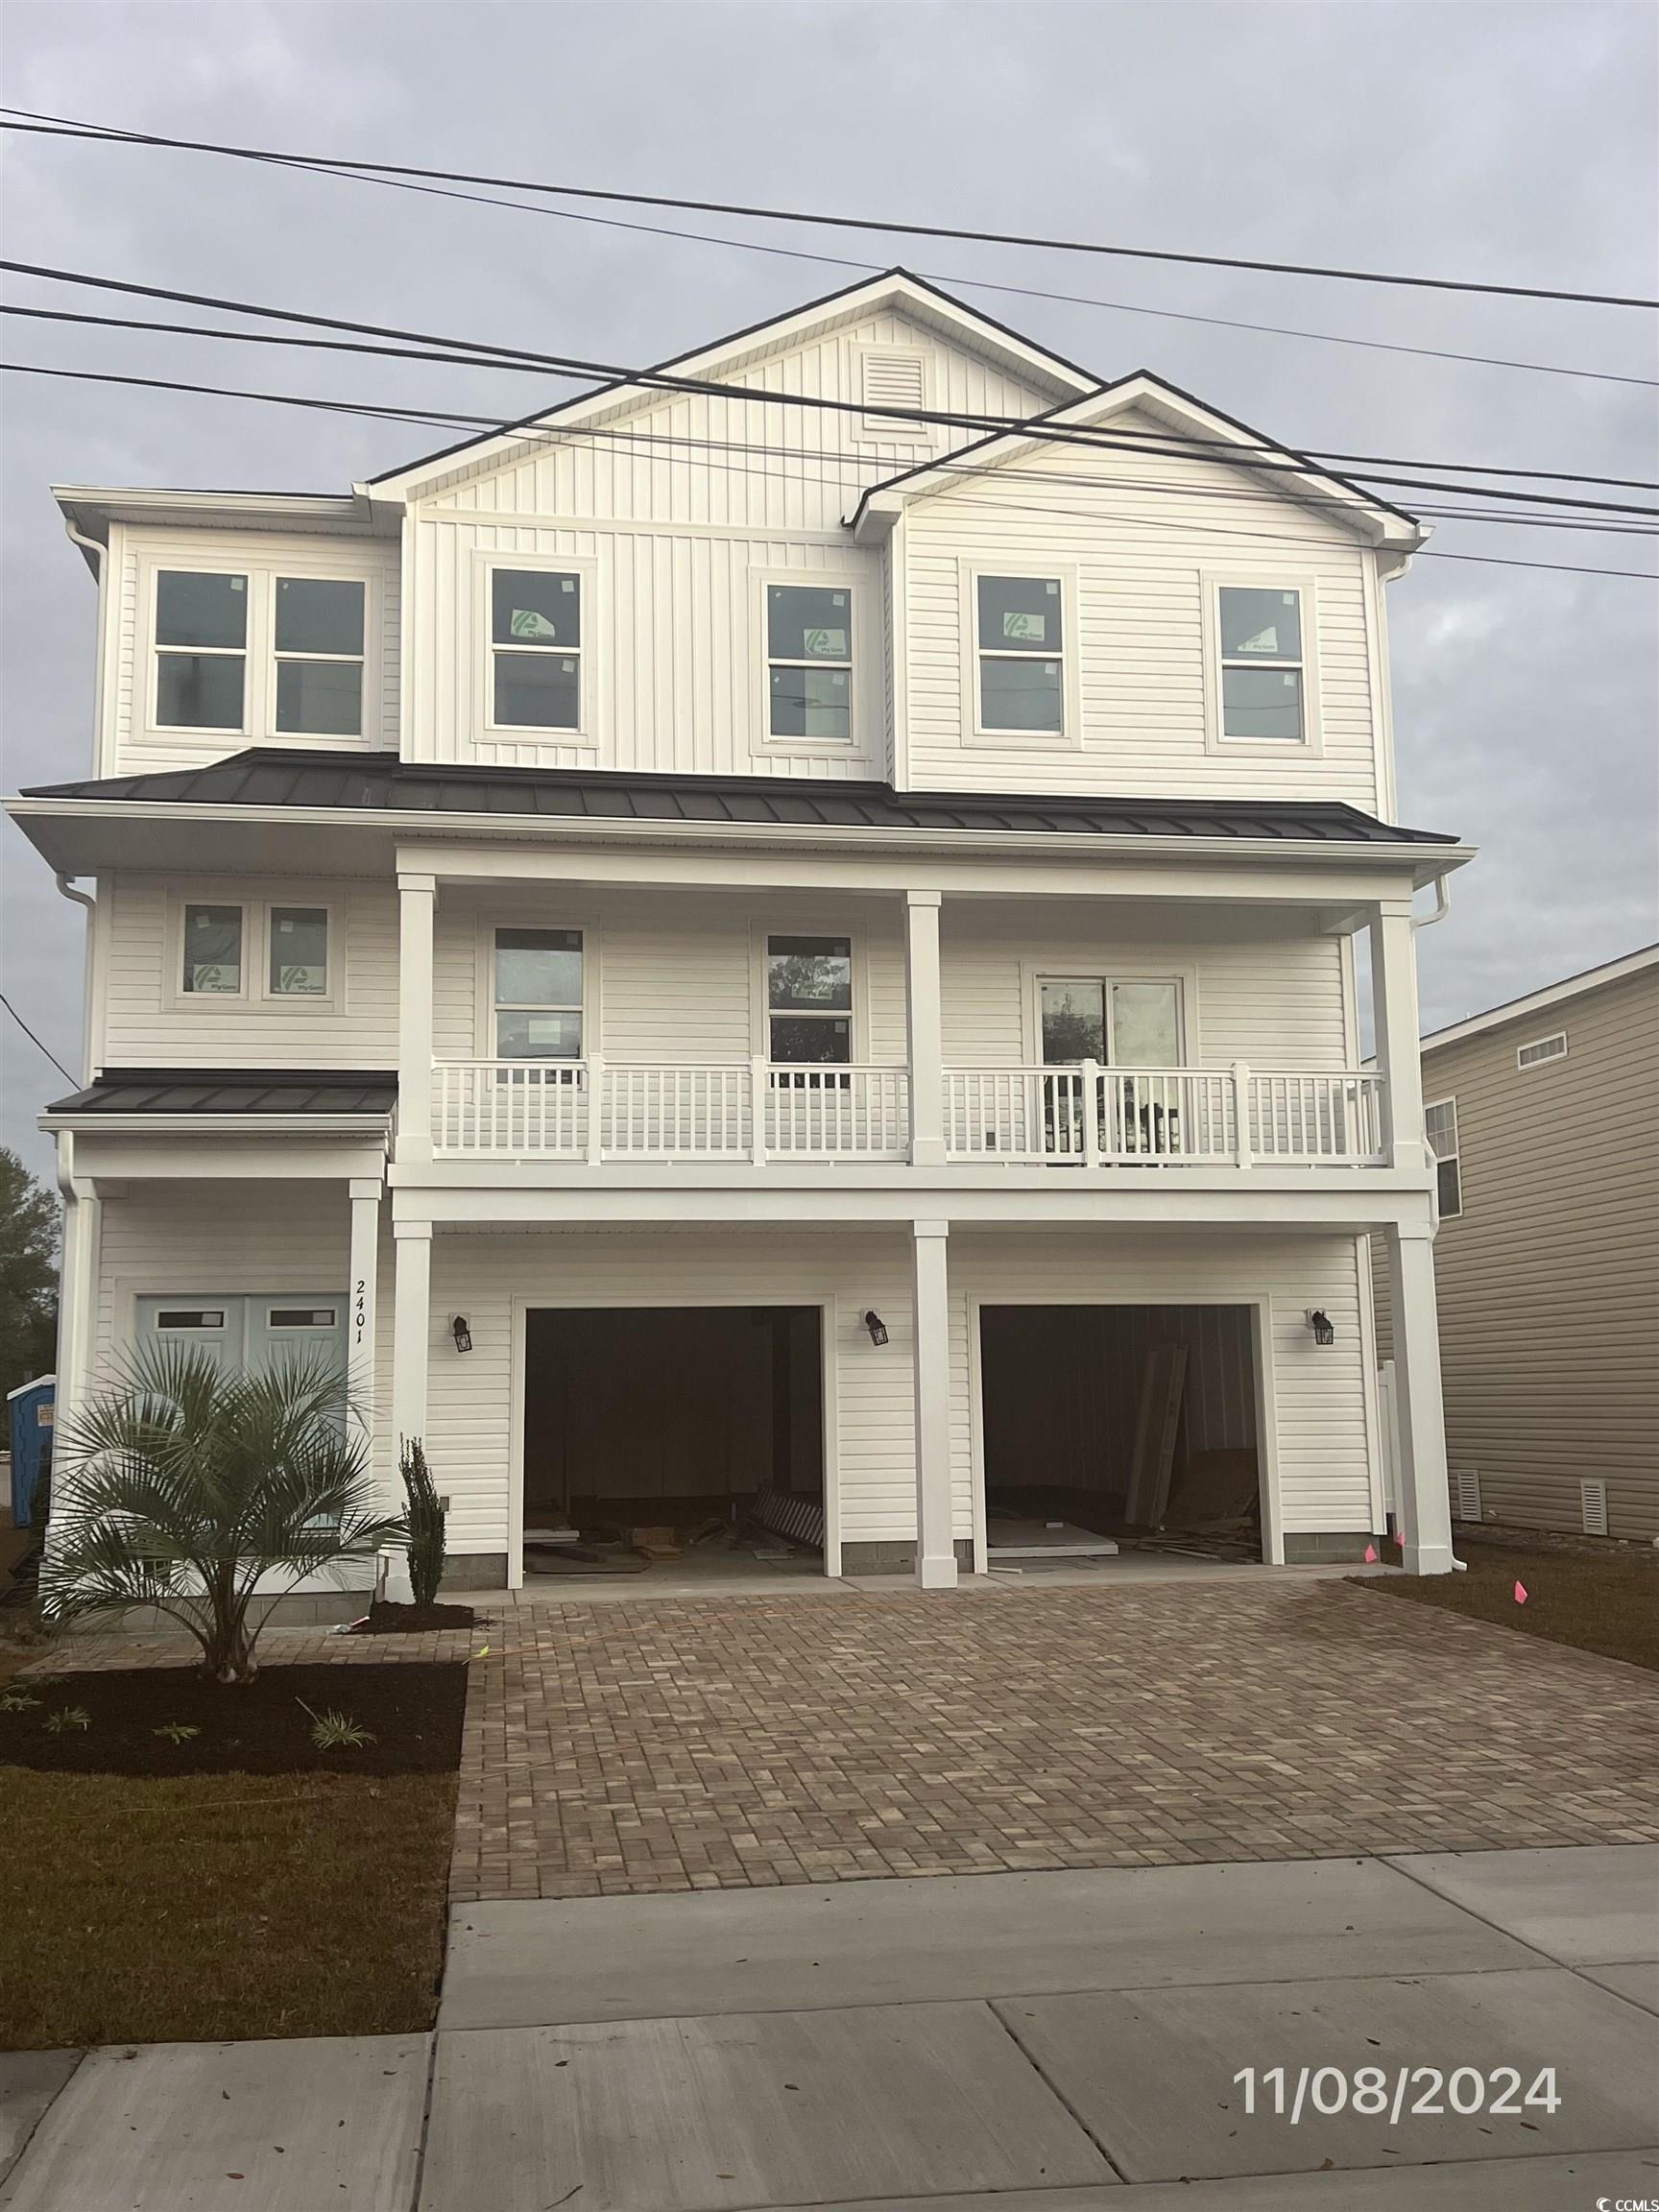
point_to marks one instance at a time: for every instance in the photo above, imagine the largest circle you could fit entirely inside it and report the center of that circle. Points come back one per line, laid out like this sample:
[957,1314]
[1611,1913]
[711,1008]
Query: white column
[417,898]
[411,1337]
[935,1550]
[924,1018]
[365,1193]
[1394,1015]
[77,1290]
[1424,1503]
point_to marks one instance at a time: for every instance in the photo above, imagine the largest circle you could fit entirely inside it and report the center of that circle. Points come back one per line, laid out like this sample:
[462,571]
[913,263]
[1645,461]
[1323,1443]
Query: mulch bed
[1604,1599]
[411,1710]
[386,1618]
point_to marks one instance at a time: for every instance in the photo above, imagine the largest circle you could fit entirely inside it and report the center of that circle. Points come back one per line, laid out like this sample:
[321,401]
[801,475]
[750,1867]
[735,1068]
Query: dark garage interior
[672,1433]
[1135,1422]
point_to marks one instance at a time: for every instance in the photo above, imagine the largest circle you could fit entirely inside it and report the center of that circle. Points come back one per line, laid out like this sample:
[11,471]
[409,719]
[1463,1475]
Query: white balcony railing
[605,1113]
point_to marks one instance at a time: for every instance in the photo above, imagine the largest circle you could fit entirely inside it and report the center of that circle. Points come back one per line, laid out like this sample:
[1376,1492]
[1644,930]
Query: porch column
[78,1290]
[935,1550]
[1424,1503]
[924,1024]
[1394,1018]
[364,1196]
[417,898]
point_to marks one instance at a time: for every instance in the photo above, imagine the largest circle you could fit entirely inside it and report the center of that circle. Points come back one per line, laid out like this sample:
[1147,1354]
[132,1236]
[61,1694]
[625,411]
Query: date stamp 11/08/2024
[1404,2093]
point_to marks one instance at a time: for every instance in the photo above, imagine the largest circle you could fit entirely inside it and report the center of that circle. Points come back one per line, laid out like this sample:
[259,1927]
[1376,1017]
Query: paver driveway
[742,1740]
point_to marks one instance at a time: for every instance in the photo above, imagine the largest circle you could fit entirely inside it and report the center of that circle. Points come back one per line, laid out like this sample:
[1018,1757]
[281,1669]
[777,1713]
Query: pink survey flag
[1520,1593]
[1370,1555]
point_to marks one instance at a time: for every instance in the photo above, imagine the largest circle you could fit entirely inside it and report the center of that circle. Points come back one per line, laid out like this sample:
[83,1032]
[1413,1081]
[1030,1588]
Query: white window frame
[1068,738]
[1183,982]
[484,1027]
[1453,1158]
[891,430]
[760,996]
[1214,582]
[858,597]
[256,933]
[585,736]
[258,724]
[304,573]
[1556,1037]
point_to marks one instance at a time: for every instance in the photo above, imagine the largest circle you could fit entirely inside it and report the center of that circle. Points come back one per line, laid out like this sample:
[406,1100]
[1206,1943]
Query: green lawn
[1604,1602]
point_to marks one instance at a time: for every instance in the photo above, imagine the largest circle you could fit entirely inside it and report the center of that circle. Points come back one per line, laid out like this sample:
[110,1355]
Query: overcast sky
[1509,143]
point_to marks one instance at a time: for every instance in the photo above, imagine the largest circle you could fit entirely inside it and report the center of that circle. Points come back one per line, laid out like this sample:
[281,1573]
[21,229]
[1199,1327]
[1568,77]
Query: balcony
[609,1114]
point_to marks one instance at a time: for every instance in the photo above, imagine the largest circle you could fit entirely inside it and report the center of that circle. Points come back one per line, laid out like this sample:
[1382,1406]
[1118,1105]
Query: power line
[1185,448]
[319,168]
[1041,429]
[54,126]
[33,1040]
[394,414]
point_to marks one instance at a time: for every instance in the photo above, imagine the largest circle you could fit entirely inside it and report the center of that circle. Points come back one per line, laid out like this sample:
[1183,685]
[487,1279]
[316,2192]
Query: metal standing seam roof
[268,776]
[234,1090]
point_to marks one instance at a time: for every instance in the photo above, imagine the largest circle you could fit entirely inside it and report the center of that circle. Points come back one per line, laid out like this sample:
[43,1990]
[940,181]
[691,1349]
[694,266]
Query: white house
[773,936]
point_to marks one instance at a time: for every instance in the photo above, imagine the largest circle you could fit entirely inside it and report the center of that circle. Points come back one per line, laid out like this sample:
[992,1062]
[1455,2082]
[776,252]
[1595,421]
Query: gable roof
[1233,442]
[1541,1002]
[728,357]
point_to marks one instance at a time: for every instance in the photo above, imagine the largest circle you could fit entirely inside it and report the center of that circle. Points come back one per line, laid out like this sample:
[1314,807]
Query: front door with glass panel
[1121,1026]
[248,1335]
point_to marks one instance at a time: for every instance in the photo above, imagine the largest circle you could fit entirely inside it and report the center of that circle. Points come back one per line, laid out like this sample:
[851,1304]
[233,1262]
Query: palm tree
[186,1488]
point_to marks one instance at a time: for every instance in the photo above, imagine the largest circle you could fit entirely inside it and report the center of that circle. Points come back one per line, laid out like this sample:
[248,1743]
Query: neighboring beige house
[1542,1116]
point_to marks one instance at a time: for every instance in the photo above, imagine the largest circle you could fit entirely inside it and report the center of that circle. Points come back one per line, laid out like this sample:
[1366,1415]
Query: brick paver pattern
[735,1741]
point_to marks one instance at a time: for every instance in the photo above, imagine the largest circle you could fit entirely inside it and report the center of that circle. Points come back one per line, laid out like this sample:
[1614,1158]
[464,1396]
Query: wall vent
[1542,1048]
[894,377]
[1468,1496]
[1592,1505]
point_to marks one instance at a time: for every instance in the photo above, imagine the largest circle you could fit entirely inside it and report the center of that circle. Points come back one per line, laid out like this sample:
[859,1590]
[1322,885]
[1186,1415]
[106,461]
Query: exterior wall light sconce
[1320,1324]
[462,1334]
[877,1327]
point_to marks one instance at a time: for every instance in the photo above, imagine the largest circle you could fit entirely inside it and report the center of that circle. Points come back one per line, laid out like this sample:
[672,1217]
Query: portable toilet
[29,1405]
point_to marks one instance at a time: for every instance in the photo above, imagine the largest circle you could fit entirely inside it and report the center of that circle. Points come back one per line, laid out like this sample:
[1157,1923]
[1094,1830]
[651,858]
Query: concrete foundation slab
[1151,2073]
[541,1961]
[283,2126]
[1590,1905]
[29,2081]
[745,2109]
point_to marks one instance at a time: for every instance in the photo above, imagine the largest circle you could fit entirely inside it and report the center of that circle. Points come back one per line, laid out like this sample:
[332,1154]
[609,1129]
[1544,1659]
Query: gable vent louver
[1542,1048]
[1468,1496]
[895,376]
[1593,1507]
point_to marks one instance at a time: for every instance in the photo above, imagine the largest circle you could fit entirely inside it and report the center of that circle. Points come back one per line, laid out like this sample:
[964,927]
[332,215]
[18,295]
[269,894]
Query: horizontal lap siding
[1141,556]
[149,1023]
[1548,1280]
[1320,1396]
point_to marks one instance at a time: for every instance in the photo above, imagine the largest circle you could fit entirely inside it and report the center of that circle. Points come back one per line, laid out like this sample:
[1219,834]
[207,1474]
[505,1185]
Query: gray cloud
[1507,141]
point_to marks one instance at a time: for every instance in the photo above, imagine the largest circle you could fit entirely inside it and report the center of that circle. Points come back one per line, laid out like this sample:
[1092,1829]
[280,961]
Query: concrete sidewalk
[1043,2042]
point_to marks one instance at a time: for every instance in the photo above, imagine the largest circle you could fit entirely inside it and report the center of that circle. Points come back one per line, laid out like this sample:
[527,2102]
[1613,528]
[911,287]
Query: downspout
[97,553]
[90,1025]
[1442,907]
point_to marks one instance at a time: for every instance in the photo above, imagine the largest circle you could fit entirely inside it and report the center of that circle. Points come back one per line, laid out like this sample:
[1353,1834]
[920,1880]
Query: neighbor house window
[810,1001]
[213,950]
[809,662]
[537,993]
[320,657]
[1121,1024]
[536,646]
[1440,1123]
[1021,644]
[1262,664]
[299,946]
[200,650]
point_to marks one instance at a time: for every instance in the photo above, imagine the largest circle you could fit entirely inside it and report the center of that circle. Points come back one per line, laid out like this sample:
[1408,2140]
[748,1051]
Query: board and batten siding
[1142,559]
[150,1023]
[130,744]
[1548,1282]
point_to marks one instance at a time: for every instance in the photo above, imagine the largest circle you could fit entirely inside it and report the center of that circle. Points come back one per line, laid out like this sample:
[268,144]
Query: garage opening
[686,1441]
[1111,1428]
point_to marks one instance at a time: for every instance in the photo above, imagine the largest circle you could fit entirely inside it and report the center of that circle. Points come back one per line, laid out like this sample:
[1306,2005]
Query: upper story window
[319,637]
[1262,664]
[810,1001]
[298,952]
[200,650]
[536,649]
[1119,1024]
[1440,1124]
[225,948]
[213,950]
[1019,647]
[538,995]
[809,662]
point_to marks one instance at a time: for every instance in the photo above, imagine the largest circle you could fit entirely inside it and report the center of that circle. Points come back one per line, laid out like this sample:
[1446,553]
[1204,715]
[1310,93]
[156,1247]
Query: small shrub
[333,1731]
[68,1717]
[17,1702]
[424,1519]
[176,1731]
